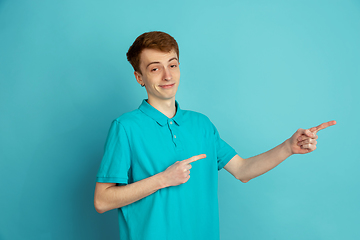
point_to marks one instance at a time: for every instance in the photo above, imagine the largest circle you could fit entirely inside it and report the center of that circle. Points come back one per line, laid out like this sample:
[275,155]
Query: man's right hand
[179,172]
[110,196]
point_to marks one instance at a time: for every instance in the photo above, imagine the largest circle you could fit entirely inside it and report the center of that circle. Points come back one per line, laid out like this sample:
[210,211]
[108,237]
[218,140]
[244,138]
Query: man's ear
[138,77]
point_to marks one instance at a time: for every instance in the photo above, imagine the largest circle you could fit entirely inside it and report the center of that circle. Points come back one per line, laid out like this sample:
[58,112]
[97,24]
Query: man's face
[160,73]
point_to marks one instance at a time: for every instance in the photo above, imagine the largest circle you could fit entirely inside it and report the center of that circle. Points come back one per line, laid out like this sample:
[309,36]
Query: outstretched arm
[302,141]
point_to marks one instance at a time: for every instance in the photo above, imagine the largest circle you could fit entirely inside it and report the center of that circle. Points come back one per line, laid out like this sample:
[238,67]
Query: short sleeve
[116,162]
[224,151]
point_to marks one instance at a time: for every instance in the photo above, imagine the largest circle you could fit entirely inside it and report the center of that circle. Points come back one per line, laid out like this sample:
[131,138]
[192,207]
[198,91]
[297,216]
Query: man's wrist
[161,180]
[287,148]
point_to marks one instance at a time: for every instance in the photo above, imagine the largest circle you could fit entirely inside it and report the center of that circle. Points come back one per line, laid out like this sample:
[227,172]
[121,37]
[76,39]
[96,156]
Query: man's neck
[166,107]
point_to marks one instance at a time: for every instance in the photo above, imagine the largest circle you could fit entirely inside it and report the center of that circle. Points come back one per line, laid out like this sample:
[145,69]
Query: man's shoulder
[191,113]
[196,116]
[129,118]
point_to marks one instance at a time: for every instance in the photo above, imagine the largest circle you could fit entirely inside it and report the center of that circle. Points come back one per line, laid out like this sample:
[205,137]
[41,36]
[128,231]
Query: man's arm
[109,196]
[302,141]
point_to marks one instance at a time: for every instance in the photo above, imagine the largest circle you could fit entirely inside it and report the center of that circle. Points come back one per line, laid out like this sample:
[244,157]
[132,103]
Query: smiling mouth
[167,86]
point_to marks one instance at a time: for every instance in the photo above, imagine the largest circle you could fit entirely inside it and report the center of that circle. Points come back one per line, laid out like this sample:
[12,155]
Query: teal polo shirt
[145,142]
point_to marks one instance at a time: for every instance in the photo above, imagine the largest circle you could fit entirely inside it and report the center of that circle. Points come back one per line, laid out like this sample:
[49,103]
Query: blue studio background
[258,69]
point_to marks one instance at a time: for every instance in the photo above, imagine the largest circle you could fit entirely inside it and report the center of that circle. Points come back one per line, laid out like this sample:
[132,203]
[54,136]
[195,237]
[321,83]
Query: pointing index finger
[322,126]
[195,158]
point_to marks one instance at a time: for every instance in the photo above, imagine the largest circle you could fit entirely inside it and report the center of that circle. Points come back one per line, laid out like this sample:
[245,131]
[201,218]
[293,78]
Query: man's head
[155,58]
[150,40]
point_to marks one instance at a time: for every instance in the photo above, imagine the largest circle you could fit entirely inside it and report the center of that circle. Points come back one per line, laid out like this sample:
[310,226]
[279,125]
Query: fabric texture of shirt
[145,142]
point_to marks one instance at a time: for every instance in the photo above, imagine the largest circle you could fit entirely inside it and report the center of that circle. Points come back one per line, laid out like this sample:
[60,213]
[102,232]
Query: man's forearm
[260,164]
[110,196]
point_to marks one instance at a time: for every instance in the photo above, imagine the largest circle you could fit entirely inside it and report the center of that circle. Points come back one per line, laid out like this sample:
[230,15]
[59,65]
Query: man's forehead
[153,55]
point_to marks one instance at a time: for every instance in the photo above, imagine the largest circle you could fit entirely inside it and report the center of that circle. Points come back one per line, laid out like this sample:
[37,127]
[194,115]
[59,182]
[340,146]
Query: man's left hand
[304,140]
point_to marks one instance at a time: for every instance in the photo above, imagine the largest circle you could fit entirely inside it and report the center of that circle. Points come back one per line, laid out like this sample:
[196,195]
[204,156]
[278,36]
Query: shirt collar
[158,116]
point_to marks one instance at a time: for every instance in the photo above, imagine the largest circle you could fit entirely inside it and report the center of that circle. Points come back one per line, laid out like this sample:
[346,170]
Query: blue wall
[258,69]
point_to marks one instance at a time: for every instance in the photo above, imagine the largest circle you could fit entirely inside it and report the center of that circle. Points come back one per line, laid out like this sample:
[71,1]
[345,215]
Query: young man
[145,170]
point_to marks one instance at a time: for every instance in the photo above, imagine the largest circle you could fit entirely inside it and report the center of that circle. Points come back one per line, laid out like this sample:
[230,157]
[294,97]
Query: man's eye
[154,69]
[173,66]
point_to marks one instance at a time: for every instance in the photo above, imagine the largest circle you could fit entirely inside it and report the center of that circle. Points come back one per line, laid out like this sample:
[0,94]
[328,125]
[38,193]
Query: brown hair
[153,40]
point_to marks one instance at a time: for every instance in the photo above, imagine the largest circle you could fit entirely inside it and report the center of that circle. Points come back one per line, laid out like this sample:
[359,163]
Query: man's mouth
[167,85]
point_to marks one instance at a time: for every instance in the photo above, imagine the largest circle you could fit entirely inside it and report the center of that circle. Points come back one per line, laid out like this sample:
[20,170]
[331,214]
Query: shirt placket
[174,134]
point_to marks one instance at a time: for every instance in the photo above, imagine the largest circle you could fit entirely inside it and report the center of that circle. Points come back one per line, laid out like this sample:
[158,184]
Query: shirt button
[174,136]
[170,122]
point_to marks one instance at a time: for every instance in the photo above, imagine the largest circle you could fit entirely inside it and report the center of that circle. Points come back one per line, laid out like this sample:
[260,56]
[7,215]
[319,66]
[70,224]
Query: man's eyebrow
[174,58]
[152,63]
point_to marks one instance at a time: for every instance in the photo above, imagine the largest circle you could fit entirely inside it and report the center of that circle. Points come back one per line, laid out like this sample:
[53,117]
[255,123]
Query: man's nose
[167,74]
